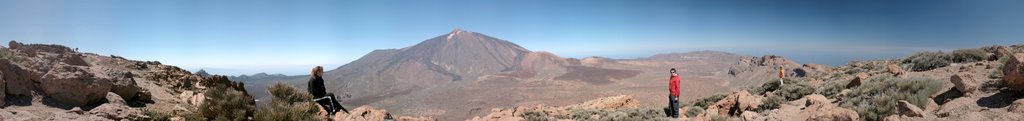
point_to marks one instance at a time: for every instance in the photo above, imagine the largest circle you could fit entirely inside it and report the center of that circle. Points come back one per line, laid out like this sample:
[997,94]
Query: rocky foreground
[54,82]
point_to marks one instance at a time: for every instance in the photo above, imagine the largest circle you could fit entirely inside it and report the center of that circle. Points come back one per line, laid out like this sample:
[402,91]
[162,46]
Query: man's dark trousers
[673,105]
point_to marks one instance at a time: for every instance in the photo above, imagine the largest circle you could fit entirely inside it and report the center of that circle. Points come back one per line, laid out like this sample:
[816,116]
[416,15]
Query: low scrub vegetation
[968,55]
[704,102]
[694,111]
[536,116]
[619,115]
[288,104]
[226,104]
[877,98]
[794,88]
[924,61]
[831,89]
[770,103]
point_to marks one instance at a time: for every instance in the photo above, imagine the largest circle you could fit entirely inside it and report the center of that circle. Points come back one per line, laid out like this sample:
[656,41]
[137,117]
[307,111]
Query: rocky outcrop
[894,69]
[819,109]
[965,83]
[769,60]
[191,97]
[74,85]
[1013,71]
[735,103]
[53,82]
[608,103]
[620,102]
[118,112]
[369,113]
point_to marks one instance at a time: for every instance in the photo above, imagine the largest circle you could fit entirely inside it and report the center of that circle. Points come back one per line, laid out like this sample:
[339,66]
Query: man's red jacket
[673,85]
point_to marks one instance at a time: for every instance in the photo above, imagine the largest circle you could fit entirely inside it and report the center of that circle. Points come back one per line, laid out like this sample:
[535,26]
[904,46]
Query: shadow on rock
[999,100]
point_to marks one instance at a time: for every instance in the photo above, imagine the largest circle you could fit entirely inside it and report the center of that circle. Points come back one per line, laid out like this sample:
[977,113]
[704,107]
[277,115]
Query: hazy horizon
[246,37]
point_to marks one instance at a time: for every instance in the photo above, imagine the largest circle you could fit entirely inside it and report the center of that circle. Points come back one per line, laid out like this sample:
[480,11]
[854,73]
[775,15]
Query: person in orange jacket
[673,97]
[782,74]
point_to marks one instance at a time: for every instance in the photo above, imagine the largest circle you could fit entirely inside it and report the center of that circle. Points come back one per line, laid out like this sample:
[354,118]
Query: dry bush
[288,104]
[877,98]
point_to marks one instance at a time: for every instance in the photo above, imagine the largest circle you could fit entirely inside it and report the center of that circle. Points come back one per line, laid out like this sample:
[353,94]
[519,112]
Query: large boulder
[1017,107]
[123,83]
[858,79]
[3,89]
[815,99]
[363,113]
[736,103]
[907,109]
[1013,71]
[113,98]
[74,85]
[16,79]
[965,83]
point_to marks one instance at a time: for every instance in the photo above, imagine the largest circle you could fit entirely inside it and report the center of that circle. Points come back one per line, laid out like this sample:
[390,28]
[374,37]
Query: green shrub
[969,55]
[156,116]
[288,104]
[794,91]
[704,102]
[924,61]
[998,71]
[877,98]
[536,116]
[694,111]
[832,88]
[770,103]
[226,104]
[6,53]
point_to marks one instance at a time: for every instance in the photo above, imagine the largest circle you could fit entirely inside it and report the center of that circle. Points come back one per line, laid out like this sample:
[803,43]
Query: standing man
[673,97]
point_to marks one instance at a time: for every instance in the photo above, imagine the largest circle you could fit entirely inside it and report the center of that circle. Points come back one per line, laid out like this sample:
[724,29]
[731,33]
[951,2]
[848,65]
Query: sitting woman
[316,87]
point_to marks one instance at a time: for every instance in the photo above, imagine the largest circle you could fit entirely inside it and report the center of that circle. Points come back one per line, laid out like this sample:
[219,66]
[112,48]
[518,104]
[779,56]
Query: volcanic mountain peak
[453,33]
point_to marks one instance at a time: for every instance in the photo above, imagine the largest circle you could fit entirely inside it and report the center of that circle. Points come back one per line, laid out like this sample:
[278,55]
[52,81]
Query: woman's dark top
[316,87]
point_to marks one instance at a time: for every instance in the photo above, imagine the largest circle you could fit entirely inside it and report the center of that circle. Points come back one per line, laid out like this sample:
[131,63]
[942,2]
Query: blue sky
[289,36]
